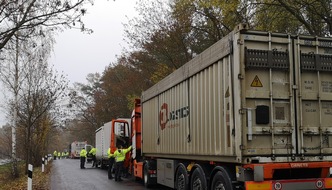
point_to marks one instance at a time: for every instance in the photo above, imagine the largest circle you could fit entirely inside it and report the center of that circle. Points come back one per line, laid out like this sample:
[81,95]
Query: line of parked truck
[252,112]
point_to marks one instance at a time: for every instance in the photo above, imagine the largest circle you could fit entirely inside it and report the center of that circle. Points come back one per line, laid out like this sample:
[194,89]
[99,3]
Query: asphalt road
[67,175]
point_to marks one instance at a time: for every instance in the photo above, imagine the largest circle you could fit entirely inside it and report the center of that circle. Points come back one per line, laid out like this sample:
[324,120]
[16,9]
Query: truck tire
[146,176]
[198,179]
[181,178]
[221,181]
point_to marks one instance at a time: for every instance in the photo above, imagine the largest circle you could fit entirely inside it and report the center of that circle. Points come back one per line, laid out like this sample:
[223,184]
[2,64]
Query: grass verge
[40,180]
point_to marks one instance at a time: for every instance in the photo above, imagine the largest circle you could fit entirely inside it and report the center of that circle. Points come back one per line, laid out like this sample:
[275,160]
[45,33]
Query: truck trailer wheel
[221,181]
[181,178]
[198,180]
[146,176]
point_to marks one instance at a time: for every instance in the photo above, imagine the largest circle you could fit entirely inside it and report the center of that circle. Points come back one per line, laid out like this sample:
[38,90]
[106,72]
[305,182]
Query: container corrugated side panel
[206,131]
[174,114]
[150,133]
[211,133]
[204,134]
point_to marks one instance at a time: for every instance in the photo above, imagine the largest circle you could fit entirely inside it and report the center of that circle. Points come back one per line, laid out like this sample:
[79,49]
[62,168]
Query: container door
[314,79]
[268,103]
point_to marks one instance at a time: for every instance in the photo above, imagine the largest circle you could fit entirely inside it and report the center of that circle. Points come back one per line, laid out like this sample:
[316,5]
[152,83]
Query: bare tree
[21,22]
[27,15]
[34,86]
[38,111]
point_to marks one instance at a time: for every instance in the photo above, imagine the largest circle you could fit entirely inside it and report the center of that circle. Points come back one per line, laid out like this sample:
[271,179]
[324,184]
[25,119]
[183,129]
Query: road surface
[67,175]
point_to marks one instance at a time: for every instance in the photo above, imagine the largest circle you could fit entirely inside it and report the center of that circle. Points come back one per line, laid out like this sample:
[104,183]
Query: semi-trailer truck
[253,111]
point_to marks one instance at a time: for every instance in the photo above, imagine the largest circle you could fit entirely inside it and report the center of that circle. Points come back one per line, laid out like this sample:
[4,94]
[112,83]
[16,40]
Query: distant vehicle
[76,147]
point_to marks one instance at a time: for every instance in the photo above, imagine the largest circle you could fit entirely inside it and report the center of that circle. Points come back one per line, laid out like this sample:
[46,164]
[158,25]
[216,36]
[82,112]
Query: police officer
[110,163]
[83,156]
[93,152]
[55,154]
[120,155]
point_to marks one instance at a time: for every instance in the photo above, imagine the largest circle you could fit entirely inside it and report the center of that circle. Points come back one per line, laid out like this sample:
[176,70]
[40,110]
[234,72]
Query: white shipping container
[252,96]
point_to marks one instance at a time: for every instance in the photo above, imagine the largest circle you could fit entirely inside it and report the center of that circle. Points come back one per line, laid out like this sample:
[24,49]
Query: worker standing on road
[110,163]
[59,155]
[83,156]
[93,152]
[120,155]
[54,155]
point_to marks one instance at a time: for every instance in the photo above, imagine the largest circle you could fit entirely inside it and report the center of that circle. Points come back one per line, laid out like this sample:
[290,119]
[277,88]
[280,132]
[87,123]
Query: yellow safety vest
[83,153]
[109,154]
[120,155]
[93,151]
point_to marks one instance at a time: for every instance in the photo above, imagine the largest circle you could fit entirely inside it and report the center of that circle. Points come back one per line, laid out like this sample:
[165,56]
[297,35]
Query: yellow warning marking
[256,82]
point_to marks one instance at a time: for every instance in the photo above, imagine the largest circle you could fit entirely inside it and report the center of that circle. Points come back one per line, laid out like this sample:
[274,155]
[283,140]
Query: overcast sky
[78,54]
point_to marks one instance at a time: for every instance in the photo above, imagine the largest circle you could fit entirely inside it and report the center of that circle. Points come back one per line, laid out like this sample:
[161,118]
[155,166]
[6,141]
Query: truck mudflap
[297,184]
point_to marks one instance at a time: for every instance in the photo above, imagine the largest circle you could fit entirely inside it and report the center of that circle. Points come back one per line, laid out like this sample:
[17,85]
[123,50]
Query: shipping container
[253,111]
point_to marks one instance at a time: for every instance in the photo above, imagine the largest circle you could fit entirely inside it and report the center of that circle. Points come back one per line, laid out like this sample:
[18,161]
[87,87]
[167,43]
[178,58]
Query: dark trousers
[110,165]
[54,158]
[94,161]
[82,162]
[118,170]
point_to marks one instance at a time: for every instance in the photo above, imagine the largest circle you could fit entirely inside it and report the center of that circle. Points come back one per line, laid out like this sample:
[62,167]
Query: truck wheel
[198,180]
[146,176]
[181,178]
[221,181]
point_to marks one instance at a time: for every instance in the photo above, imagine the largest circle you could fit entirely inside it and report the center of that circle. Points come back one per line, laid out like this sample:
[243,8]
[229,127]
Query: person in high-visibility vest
[59,155]
[55,154]
[63,155]
[110,163]
[120,155]
[93,152]
[83,156]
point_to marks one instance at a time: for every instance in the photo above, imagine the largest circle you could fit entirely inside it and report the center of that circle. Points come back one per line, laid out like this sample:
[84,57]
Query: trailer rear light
[328,183]
[251,185]
[152,171]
